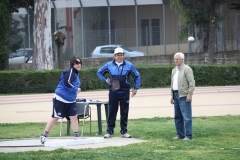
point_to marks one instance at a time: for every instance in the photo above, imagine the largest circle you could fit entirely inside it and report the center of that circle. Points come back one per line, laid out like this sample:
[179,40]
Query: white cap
[118,50]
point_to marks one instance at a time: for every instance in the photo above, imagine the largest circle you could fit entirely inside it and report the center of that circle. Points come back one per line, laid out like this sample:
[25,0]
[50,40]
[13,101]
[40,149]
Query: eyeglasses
[77,63]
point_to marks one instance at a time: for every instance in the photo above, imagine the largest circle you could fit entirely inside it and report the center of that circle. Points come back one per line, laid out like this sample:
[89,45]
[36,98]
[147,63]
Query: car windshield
[125,48]
[17,54]
[21,52]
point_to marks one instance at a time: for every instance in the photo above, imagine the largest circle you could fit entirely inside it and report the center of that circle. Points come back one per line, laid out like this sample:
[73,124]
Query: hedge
[31,81]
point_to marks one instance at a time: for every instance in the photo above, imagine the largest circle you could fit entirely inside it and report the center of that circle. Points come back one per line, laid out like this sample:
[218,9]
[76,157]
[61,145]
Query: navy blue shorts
[61,109]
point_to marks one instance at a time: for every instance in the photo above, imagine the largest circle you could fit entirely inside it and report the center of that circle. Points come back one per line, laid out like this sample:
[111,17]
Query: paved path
[33,144]
[148,103]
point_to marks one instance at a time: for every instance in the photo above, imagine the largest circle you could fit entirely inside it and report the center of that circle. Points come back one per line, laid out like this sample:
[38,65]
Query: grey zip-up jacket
[186,82]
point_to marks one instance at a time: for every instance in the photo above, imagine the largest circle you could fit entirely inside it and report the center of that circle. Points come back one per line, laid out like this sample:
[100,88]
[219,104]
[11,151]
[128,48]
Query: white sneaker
[76,138]
[43,139]
[126,135]
[107,135]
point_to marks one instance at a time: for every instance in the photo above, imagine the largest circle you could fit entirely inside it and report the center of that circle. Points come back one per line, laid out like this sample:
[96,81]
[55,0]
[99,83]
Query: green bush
[30,81]
[216,75]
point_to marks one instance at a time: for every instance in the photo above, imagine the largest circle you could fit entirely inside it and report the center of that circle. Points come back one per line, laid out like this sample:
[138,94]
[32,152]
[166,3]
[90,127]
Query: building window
[155,32]
[145,32]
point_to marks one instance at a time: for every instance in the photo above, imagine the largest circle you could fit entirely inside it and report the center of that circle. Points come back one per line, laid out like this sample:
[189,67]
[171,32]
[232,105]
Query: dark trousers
[116,98]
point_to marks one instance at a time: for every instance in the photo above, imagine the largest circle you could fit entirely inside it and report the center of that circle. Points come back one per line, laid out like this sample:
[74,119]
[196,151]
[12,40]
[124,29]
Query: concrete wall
[232,57]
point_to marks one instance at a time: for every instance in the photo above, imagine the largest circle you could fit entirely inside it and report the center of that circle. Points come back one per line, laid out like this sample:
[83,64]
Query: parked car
[30,60]
[108,51]
[20,56]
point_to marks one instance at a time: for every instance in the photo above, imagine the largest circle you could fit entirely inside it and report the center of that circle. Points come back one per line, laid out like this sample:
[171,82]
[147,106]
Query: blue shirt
[68,84]
[114,70]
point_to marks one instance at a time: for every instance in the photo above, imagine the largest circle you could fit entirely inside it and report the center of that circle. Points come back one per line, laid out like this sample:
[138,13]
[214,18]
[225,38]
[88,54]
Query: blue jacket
[115,71]
[68,84]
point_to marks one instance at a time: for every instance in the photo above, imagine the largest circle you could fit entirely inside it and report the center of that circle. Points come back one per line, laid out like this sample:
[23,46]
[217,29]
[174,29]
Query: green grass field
[214,138]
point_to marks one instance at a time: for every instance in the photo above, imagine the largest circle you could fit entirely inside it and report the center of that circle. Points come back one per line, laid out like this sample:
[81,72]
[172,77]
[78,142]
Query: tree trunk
[199,41]
[206,37]
[211,33]
[42,57]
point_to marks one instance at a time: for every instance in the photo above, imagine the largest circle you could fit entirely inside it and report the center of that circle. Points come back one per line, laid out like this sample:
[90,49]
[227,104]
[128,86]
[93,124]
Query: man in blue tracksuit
[119,90]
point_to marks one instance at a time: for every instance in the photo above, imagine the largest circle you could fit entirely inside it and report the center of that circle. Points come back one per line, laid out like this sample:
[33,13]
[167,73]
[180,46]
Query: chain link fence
[150,40]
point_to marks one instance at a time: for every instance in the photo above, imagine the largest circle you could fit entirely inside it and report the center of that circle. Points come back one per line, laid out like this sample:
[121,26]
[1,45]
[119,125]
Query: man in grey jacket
[182,87]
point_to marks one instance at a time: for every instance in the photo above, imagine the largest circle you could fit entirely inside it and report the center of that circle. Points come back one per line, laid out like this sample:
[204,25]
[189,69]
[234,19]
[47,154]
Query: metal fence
[149,39]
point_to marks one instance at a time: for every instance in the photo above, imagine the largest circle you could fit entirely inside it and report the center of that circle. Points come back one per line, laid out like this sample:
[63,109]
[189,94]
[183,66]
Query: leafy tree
[14,5]
[194,21]
[4,33]
[28,43]
[200,19]
[15,39]
[6,8]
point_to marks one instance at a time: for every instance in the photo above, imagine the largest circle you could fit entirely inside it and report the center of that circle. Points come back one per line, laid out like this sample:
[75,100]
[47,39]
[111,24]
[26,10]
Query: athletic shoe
[107,135]
[126,135]
[177,138]
[186,139]
[76,138]
[43,139]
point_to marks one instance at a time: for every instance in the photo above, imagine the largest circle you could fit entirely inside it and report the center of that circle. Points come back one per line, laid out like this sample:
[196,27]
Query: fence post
[115,36]
[237,30]
[147,40]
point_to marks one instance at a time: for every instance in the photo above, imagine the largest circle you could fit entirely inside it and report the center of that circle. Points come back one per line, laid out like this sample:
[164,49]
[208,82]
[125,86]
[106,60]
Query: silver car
[108,51]
[20,56]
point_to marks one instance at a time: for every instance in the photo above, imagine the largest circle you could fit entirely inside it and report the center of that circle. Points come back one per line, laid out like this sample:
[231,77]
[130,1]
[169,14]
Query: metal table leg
[68,127]
[99,119]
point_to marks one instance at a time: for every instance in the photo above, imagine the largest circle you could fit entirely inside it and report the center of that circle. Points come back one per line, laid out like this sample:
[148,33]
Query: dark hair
[73,60]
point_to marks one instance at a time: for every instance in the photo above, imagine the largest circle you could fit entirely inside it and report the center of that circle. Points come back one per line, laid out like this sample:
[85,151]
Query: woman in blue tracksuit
[120,70]
[64,100]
